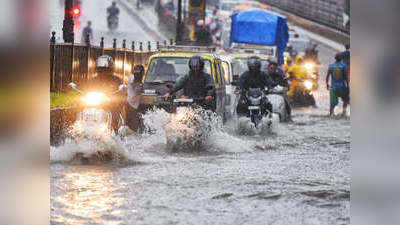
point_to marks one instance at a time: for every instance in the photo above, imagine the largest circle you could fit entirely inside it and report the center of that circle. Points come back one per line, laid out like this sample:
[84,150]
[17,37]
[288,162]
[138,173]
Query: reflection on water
[87,194]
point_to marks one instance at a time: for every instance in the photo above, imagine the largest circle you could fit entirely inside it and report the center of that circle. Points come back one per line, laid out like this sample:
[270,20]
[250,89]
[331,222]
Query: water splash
[196,128]
[87,141]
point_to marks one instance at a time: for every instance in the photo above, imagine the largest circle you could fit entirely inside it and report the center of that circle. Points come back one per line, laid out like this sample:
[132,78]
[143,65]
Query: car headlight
[308,84]
[95,98]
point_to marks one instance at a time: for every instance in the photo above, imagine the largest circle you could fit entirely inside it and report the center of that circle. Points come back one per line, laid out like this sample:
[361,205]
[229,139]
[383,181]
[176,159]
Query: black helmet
[105,63]
[272,62]
[254,63]
[338,57]
[196,63]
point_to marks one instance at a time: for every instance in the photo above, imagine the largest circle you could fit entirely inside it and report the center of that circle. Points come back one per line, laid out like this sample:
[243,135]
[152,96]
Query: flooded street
[300,174]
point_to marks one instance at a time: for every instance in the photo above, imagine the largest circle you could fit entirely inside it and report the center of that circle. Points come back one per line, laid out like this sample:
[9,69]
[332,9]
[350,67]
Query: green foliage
[62,99]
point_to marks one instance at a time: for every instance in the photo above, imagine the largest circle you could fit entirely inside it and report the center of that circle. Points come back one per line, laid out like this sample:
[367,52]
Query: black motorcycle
[256,106]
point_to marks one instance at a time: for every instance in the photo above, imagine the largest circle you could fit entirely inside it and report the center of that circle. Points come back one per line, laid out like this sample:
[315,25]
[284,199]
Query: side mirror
[72,85]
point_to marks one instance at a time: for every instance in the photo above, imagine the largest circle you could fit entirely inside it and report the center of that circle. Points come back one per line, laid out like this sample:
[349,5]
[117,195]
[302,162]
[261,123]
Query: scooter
[94,113]
[302,95]
[275,97]
[94,123]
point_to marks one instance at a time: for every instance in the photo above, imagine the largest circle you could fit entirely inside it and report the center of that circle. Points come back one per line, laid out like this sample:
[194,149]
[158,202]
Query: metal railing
[326,12]
[76,62]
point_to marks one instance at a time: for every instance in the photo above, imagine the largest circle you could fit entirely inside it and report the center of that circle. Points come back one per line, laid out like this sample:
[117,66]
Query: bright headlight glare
[308,84]
[103,127]
[94,98]
[309,66]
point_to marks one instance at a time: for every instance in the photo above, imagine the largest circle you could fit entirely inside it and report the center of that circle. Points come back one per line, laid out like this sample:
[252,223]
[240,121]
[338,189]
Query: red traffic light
[76,11]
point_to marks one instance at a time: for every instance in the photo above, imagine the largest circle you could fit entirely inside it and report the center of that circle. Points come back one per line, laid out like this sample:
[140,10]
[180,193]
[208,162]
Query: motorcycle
[188,128]
[112,22]
[302,94]
[275,97]
[255,101]
[94,113]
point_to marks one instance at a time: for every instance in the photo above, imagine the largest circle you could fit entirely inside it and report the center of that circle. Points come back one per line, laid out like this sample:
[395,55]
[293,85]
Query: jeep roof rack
[187,48]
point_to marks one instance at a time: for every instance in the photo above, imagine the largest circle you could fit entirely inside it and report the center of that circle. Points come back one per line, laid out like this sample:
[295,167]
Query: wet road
[300,175]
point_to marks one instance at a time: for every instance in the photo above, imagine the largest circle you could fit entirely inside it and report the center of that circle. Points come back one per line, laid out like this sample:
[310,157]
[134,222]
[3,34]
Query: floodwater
[299,174]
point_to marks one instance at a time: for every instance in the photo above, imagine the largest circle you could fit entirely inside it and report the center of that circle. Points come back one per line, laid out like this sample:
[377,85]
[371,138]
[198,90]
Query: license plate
[150,91]
[254,107]
[183,100]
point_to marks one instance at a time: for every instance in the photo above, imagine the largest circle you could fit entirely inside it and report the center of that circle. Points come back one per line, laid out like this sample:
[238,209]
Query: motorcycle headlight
[95,98]
[309,66]
[308,84]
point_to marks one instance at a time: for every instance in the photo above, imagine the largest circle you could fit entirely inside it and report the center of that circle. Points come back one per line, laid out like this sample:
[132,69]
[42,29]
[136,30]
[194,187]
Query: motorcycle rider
[87,31]
[279,78]
[195,84]
[296,73]
[105,81]
[339,84]
[287,64]
[135,87]
[253,78]
[113,10]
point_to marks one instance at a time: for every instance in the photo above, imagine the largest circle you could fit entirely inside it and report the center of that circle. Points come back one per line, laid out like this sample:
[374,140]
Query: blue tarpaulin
[260,27]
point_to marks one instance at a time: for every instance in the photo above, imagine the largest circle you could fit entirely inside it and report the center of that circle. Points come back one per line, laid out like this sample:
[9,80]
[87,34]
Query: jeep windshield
[239,65]
[169,69]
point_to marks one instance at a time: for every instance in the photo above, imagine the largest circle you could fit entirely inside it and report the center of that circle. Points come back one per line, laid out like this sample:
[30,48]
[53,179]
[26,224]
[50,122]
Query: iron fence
[76,62]
[326,12]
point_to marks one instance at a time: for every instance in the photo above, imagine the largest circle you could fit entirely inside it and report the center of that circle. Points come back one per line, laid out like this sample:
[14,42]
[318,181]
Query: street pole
[68,24]
[179,23]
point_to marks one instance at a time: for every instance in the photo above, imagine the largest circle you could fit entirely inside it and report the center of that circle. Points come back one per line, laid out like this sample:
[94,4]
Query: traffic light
[76,12]
[197,10]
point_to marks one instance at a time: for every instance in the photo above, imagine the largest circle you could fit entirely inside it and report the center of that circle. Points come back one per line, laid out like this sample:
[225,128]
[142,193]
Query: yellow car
[164,68]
